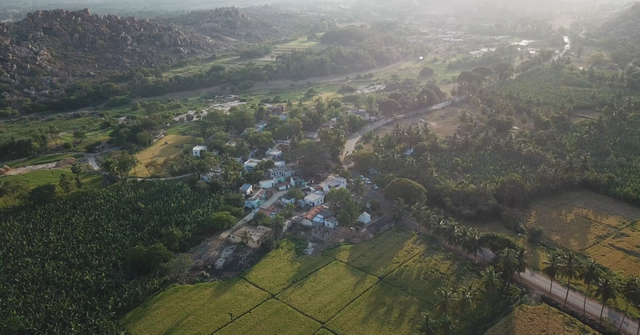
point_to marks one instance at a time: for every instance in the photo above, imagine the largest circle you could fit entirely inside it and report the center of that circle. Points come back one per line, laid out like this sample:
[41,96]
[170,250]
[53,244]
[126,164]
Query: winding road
[532,279]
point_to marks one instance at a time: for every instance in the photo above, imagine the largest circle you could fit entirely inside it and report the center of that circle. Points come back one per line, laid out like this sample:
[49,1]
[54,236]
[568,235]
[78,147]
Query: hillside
[45,53]
[623,24]
[228,24]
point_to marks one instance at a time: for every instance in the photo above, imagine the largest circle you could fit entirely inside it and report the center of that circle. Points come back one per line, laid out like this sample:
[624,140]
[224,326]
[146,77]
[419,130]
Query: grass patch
[323,331]
[533,320]
[272,317]
[41,160]
[41,177]
[164,148]
[382,255]
[283,267]
[327,291]
[381,310]
[194,309]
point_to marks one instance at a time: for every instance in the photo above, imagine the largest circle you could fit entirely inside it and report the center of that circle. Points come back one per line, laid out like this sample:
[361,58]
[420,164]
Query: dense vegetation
[487,164]
[70,267]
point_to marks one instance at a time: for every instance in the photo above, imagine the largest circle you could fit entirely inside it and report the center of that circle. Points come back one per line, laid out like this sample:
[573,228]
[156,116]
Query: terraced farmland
[381,286]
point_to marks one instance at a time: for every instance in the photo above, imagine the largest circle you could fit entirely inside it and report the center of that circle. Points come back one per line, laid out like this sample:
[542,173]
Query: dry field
[443,122]
[160,151]
[543,319]
[599,226]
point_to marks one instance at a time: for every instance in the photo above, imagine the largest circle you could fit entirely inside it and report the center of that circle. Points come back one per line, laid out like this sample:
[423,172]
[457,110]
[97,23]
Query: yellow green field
[542,319]
[160,151]
[282,268]
[272,318]
[381,310]
[194,309]
[327,291]
[380,256]
[290,294]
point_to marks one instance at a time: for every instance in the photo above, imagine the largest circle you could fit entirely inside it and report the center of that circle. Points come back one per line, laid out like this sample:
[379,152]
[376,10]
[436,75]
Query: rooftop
[258,195]
[253,162]
[199,147]
[255,233]
[313,212]
[314,196]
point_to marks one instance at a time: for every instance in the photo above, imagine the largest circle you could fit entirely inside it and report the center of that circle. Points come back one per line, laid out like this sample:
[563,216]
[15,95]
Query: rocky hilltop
[229,24]
[624,24]
[48,50]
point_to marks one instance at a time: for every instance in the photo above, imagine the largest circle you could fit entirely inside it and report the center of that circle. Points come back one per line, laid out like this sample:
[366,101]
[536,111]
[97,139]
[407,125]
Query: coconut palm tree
[551,268]
[569,268]
[447,298]
[401,208]
[507,263]
[471,243]
[522,263]
[607,289]
[630,291]
[428,324]
[490,279]
[466,299]
[448,325]
[591,273]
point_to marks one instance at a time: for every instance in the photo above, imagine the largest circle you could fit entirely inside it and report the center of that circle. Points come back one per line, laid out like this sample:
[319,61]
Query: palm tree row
[608,286]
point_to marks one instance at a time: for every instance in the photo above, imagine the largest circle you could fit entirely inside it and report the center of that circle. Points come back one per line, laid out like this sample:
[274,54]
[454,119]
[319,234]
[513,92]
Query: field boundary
[243,314]
[290,285]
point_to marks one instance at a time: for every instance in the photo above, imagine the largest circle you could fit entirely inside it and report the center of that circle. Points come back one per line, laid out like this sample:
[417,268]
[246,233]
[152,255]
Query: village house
[261,125]
[297,182]
[198,150]
[254,237]
[273,154]
[267,184]
[311,135]
[283,186]
[307,219]
[270,211]
[279,172]
[333,182]
[251,164]
[246,189]
[314,199]
[365,218]
[214,174]
[288,200]
[256,200]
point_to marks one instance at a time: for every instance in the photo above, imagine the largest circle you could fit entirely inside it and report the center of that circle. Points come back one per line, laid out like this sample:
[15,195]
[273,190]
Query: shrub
[408,190]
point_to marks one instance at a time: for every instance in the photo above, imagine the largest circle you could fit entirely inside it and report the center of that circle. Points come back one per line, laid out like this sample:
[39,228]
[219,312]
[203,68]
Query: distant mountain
[44,54]
[625,24]
[229,24]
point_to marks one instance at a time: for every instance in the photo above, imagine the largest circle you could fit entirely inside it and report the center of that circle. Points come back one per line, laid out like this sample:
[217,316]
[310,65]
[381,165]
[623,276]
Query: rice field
[272,318]
[282,268]
[194,309]
[327,291]
[381,310]
[542,319]
[370,288]
[380,256]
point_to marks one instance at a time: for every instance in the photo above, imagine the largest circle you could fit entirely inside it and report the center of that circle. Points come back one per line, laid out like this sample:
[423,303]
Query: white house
[198,149]
[246,189]
[273,154]
[253,236]
[261,125]
[365,218]
[333,182]
[267,184]
[279,172]
[314,199]
[251,164]
[283,186]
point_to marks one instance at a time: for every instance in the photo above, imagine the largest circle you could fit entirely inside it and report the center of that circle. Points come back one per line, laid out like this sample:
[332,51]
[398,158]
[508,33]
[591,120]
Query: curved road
[531,279]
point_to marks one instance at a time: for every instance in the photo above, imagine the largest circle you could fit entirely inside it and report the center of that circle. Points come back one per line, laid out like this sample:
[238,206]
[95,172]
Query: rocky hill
[229,24]
[625,24]
[46,52]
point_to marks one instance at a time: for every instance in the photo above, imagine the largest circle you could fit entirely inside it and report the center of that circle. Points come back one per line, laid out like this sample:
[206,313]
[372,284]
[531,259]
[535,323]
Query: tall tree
[428,324]
[400,210]
[569,268]
[490,279]
[507,263]
[447,299]
[552,267]
[631,293]
[522,262]
[591,273]
[607,289]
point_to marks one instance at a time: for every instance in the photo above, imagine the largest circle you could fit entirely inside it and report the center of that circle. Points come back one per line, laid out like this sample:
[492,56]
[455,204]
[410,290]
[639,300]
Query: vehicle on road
[375,187]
